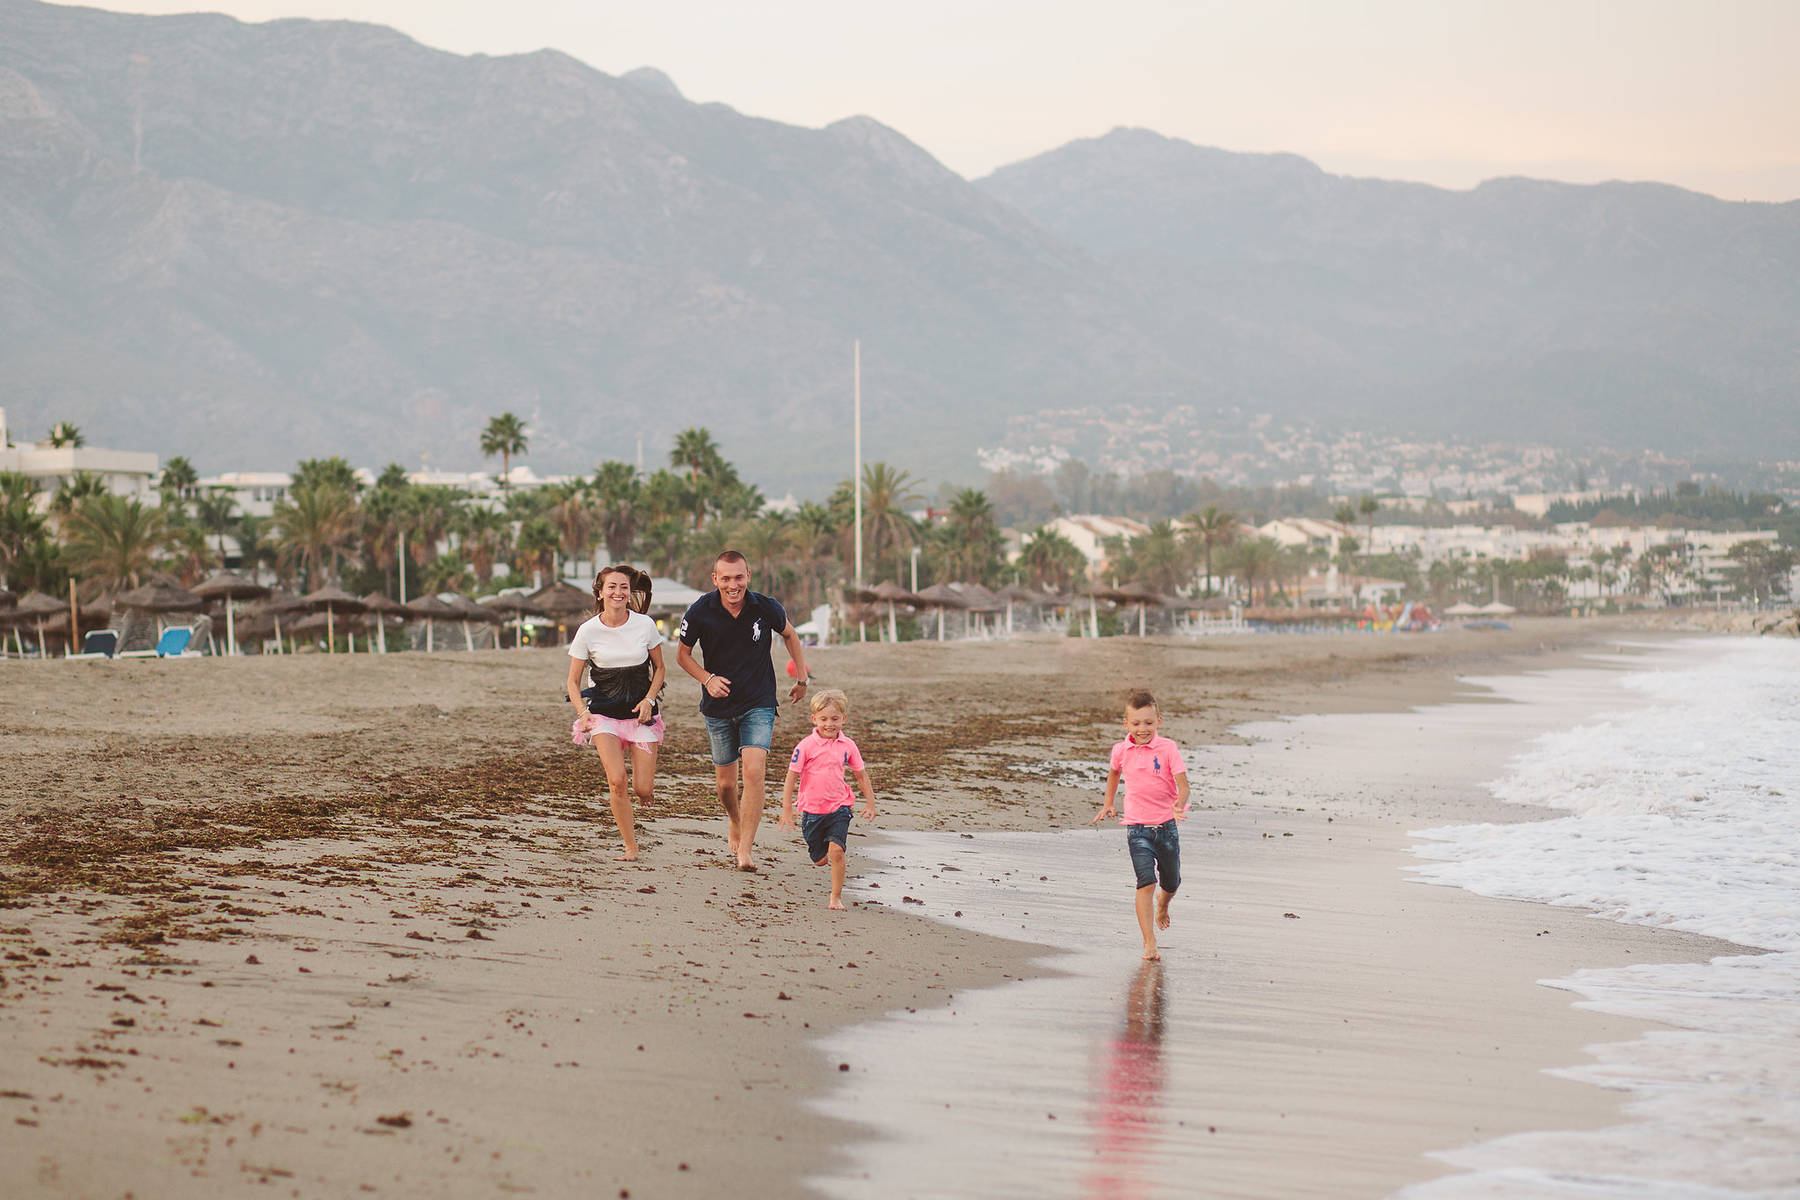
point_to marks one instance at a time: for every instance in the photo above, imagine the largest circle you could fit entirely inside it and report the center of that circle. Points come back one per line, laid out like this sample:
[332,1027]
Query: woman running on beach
[623,649]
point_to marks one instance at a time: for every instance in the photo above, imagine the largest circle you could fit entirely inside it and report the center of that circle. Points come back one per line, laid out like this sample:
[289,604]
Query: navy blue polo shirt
[737,648]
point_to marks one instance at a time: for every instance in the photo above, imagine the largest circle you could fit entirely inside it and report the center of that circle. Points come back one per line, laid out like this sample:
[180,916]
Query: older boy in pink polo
[1156,799]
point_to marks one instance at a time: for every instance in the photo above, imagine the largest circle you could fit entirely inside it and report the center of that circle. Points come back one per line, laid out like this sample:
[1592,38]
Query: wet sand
[345,924]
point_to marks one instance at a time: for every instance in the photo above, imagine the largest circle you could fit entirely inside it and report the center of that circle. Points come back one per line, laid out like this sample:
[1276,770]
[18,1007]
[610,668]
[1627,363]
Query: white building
[123,472]
[1309,532]
[1089,532]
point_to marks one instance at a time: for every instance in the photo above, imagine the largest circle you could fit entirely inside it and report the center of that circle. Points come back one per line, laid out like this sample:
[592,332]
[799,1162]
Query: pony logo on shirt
[1156,764]
[756,630]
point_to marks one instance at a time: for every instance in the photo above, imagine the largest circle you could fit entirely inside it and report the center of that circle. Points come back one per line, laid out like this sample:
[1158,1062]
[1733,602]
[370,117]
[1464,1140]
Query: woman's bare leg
[612,757]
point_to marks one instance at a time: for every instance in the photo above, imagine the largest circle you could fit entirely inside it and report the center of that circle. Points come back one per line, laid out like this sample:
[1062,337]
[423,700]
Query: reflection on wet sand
[1128,1118]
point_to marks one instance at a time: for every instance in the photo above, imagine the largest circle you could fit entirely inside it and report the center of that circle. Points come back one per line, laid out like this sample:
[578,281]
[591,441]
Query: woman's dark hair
[640,585]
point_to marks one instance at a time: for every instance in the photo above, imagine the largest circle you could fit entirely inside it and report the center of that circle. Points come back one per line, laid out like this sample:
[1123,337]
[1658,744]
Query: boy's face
[1141,724]
[828,722]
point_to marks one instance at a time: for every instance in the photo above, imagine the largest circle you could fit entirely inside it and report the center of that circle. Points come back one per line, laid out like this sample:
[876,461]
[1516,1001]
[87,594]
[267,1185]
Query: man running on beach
[735,629]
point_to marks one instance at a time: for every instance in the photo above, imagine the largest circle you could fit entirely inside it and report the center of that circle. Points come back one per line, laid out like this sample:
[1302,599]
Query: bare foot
[628,856]
[745,864]
[1162,915]
[822,862]
[836,905]
[1150,954]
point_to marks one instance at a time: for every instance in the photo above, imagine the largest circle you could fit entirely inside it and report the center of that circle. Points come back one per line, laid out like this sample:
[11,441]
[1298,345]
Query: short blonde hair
[830,698]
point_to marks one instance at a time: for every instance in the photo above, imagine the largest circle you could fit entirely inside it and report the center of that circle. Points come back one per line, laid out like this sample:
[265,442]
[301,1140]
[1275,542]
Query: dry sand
[349,924]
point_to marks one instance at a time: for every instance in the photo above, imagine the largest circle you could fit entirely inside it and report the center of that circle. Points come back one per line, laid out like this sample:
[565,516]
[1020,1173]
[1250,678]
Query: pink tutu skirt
[630,731]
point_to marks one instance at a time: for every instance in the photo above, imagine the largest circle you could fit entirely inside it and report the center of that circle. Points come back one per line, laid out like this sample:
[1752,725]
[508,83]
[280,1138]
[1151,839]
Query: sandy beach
[345,925]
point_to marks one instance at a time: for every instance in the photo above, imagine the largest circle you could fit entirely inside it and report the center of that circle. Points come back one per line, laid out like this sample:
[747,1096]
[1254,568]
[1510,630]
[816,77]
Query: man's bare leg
[750,806]
[1146,901]
[725,780]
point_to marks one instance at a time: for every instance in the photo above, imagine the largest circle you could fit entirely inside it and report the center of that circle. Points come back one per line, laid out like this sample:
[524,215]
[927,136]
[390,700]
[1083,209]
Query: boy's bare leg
[612,757]
[1162,908]
[750,804]
[725,780]
[1146,902]
[835,856]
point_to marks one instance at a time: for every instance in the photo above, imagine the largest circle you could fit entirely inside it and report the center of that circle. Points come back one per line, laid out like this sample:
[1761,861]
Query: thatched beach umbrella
[380,607]
[561,602]
[518,608]
[891,594]
[34,608]
[941,596]
[333,600]
[467,610]
[431,610]
[230,587]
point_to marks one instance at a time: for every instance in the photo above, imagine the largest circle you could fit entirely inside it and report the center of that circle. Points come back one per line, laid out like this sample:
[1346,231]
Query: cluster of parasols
[252,614]
[985,613]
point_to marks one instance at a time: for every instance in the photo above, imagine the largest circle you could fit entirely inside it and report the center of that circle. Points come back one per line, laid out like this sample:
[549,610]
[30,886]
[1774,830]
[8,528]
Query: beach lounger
[172,644]
[99,643]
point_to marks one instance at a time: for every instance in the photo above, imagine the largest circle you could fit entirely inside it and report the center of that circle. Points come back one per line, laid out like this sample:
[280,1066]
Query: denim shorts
[1155,854]
[821,829]
[731,735]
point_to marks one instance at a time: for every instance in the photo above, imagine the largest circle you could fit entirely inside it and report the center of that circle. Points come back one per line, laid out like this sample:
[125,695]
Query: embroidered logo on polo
[756,630]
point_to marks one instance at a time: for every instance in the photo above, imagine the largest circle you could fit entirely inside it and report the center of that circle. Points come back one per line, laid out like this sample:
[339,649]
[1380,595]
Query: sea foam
[1683,812]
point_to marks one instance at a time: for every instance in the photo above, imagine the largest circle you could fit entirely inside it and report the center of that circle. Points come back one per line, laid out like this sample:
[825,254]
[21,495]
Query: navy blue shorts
[1155,854]
[819,829]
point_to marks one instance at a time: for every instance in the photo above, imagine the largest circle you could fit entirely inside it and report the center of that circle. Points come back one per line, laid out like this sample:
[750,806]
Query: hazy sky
[1702,93]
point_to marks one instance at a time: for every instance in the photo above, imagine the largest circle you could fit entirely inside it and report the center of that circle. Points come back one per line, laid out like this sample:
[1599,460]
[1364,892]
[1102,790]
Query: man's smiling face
[733,581]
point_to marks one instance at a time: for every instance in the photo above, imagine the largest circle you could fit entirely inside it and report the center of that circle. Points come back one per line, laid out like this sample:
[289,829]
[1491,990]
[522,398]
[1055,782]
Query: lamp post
[862,630]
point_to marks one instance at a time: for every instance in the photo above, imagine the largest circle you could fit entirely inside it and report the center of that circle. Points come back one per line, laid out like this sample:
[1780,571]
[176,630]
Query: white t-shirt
[623,646]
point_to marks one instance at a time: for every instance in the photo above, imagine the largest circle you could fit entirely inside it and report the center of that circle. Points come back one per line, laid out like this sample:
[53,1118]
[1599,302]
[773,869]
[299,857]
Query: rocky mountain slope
[250,243]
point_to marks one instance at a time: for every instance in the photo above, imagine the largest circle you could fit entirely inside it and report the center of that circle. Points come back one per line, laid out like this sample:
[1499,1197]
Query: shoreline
[342,828]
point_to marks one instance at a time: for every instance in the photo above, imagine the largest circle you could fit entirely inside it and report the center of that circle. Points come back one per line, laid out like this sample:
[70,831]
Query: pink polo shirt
[821,766]
[1148,774]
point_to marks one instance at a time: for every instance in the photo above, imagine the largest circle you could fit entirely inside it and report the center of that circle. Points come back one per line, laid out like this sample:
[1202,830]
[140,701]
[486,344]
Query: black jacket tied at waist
[617,690]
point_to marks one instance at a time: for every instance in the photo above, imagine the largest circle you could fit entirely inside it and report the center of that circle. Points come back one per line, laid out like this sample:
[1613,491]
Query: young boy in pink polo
[1156,799]
[826,802]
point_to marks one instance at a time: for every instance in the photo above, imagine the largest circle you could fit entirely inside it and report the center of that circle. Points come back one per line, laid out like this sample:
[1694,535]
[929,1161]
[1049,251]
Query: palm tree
[1048,559]
[969,540]
[886,493]
[1257,558]
[81,486]
[1213,527]
[1368,506]
[575,517]
[178,477]
[697,454]
[215,510]
[506,436]
[619,491]
[114,539]
[812,533]
[764,542]
[430,512]
[66,435]
[315,526]
[535,549]
[483,533]
[1159,558]
[664,544]
[385,517]
[21,524]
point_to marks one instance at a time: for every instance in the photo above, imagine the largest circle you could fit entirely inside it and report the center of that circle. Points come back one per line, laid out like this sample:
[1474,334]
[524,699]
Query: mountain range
[254,243]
